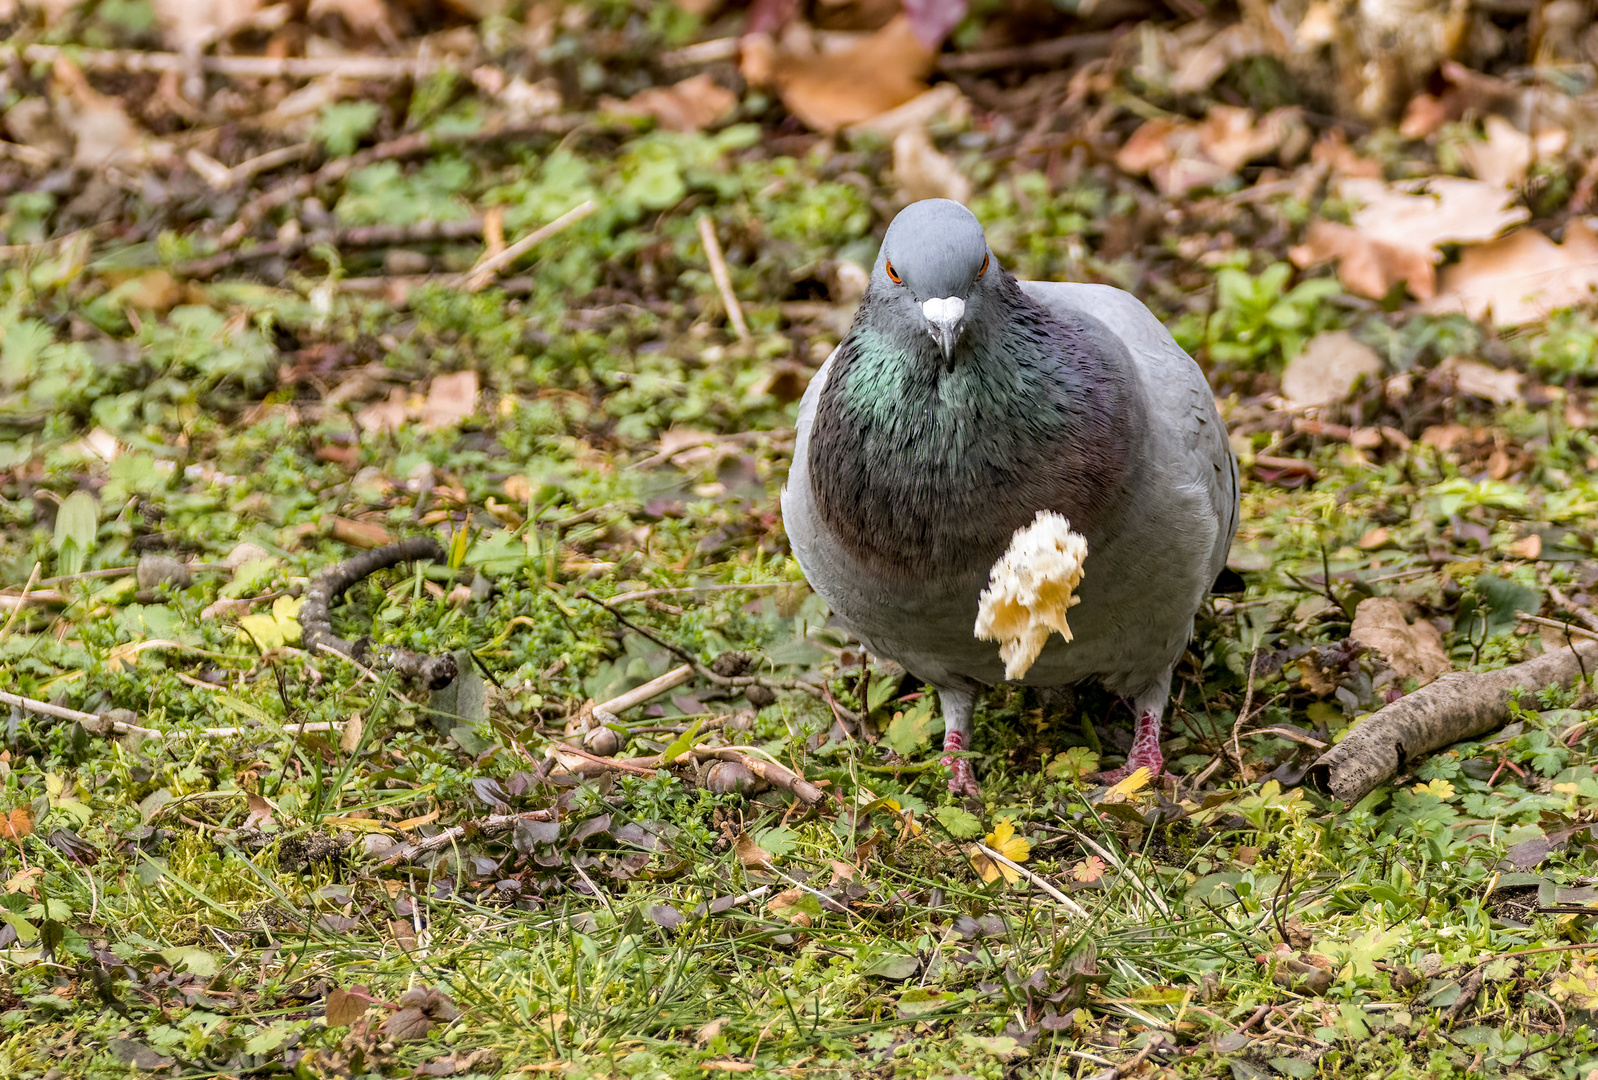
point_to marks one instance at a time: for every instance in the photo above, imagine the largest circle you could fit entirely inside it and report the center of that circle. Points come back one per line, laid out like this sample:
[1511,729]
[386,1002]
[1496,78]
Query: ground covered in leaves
[262,307]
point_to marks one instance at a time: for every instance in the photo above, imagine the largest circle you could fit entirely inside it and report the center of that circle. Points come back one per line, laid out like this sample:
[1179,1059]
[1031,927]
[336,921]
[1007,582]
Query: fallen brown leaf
[831,90]
[1396,232]
[1179,157]
[751,854]
[343,1008]
[921,172]
[1328,370]
[192,24]
[361,534]
[691,105]
[18,824]
[1521,277]
[101,130]
[451,399]
[1476,379]
[1505,153]
[1413,650]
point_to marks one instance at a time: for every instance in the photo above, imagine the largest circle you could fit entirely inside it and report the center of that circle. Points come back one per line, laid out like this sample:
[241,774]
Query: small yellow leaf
[989,870]
[1002,839]
[1135,782]
[415,822]
[1440,788]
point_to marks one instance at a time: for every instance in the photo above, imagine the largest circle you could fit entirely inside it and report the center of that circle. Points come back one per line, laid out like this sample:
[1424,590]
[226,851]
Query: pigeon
[963,402]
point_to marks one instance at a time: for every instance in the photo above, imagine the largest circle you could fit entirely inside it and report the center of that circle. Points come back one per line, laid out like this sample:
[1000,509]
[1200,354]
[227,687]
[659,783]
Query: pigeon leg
[957,703]
[1145,740]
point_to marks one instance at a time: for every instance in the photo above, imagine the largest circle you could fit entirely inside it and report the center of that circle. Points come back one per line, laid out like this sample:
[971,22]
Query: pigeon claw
[962,780]
[1145,754]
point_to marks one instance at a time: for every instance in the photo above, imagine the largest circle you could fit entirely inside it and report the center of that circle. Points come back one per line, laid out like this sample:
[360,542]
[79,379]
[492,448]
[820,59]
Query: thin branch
[249,67]
[1059,897]
[416,144]
[33,579]
[1563,627]
[718,271]
[481,274]
[361,236]
[487,826]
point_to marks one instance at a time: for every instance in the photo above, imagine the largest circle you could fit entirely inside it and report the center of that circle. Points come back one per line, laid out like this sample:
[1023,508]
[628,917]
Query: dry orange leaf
[1180,157]
[751,854]
[451,399]
[1521,277]
[691,105]
[416,822]
[1396,232]
[830,90]
[1413,650]
[1503,157]
[17,824]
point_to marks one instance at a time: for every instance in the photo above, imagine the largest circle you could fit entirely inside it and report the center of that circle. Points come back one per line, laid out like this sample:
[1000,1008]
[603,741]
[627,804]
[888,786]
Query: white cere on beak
[944,311]
[943,316]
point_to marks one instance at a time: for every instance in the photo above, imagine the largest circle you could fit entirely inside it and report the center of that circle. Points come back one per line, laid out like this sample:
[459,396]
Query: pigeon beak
[943,322]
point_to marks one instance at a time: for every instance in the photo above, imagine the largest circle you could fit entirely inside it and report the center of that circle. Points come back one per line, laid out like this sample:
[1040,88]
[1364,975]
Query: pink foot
[1145,753]
[964,781]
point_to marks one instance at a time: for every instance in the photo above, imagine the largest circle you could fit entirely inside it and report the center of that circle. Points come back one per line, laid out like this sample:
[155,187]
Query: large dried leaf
[1328,369]
[691,105]
[1505,153]
[1181,156]
[830,90]
[102,132]
[189,25]
[452,399]
[1413,650]
[921,172]
[1522,277]
[1396,232]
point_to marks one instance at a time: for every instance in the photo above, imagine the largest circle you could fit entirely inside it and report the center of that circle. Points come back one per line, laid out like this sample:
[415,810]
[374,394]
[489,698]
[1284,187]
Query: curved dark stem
[433,672]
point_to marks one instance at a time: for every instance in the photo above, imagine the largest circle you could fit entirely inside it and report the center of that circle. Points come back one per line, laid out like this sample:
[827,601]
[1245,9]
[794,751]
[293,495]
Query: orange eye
[893,275]
[986,256]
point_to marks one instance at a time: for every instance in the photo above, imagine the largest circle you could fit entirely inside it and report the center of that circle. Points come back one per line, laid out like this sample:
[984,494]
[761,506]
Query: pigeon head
[935,272]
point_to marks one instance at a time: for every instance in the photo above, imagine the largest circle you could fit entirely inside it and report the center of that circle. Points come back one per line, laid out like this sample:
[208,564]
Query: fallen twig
[607,712]
[416,144]
[718,271]
[361,236]
[1568,629]
[1460,705]
[1468,989]
[434,672]
[248,67]
[481,274]
[710,676]
[1040,54]
[33,579]
[647,594]
[1587,618]
[487,826]
[778,776]
[36,598]
[103,723]
[1059,897]
[1129,1066]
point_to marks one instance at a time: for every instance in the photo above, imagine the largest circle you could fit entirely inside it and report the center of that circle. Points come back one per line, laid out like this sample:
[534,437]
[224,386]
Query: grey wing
[1178,394]
[798,505]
